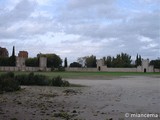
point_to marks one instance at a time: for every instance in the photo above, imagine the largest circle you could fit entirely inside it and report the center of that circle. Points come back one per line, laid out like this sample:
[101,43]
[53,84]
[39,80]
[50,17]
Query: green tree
[65,63]
[121,60]
[155,63]
[4,61]
[53,60]
[75,64]
[138,61]
[91,61]
[108,61]
[13,58]
[32,62]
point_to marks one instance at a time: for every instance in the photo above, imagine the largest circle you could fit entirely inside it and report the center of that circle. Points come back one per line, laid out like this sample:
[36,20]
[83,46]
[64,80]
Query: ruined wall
[29,69]
[20,66]
[121,70]
[81,69]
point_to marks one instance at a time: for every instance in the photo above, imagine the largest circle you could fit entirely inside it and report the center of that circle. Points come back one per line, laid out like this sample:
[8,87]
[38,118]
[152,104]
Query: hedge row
[11,82]
[8,82]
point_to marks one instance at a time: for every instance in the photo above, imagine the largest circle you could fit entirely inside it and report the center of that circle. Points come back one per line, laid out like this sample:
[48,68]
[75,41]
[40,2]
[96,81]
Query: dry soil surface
[99,100]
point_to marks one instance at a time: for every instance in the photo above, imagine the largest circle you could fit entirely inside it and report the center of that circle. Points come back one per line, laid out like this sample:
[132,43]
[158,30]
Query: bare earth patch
[101,100]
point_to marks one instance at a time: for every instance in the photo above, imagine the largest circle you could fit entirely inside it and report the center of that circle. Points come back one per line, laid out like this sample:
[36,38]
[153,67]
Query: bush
[32,79]
[61,69]
[57,81]
[65,83]
[23,79]
[8,83]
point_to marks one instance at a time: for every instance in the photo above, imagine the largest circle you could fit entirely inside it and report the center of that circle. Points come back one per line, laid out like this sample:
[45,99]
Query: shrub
[61,69]
[8,83]
[32,79]
[23,79]
[65,83]
[41,80]
[57,81]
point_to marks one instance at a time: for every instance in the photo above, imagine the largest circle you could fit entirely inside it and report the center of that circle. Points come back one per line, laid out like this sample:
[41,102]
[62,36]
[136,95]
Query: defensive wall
[20,66]
[145,67]
[29,69]
[81,69]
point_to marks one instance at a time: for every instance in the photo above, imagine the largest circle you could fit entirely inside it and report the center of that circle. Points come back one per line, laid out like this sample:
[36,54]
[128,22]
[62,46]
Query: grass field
[90,75]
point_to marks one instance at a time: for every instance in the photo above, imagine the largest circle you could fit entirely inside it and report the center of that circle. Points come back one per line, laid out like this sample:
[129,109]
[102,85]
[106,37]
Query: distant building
[3,52]
[23,54]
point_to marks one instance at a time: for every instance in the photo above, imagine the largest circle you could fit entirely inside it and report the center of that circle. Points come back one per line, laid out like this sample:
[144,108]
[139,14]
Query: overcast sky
[76,28]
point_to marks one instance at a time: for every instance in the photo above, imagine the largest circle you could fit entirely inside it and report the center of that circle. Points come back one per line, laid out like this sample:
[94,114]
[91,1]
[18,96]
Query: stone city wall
[81,69]
[121,70]
[30,69]
[102,69]
[105,69]
[156,70]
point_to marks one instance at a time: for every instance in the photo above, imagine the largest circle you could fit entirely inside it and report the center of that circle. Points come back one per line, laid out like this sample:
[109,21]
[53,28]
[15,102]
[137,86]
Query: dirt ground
[99,100]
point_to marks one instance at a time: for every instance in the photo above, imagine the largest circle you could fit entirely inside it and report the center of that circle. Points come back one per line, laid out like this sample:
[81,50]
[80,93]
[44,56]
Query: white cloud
[76,28]
[150,46]
[145,39]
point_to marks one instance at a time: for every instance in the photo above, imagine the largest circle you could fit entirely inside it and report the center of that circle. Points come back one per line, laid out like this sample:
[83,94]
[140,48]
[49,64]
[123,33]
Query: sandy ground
[100,100]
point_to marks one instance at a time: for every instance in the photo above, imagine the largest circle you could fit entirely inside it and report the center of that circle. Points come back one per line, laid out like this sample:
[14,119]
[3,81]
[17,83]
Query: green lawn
[91,75]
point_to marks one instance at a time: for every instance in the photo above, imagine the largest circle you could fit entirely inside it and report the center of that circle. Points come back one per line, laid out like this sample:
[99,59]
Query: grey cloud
[21,12]
[20,24]
[143,24]
[103,27]
[83,4]
[83,11]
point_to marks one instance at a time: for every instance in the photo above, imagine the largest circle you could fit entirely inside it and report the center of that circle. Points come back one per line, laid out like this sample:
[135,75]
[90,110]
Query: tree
[53,60]
[108,61]
[65,63]
[75,64]
[91,61]
[155,63]
[4,61]
[138,60]
[121,60]
[125,60]
[32,62]
[13,58]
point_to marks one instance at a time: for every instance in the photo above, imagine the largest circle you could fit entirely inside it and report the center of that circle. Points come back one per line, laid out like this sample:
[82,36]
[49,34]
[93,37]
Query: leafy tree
[91,61]
[75,64]
[65,63]
[121,60]
[4,61]
[32,62]
[138,60]
[53,60]
[155,63]
[108,61]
